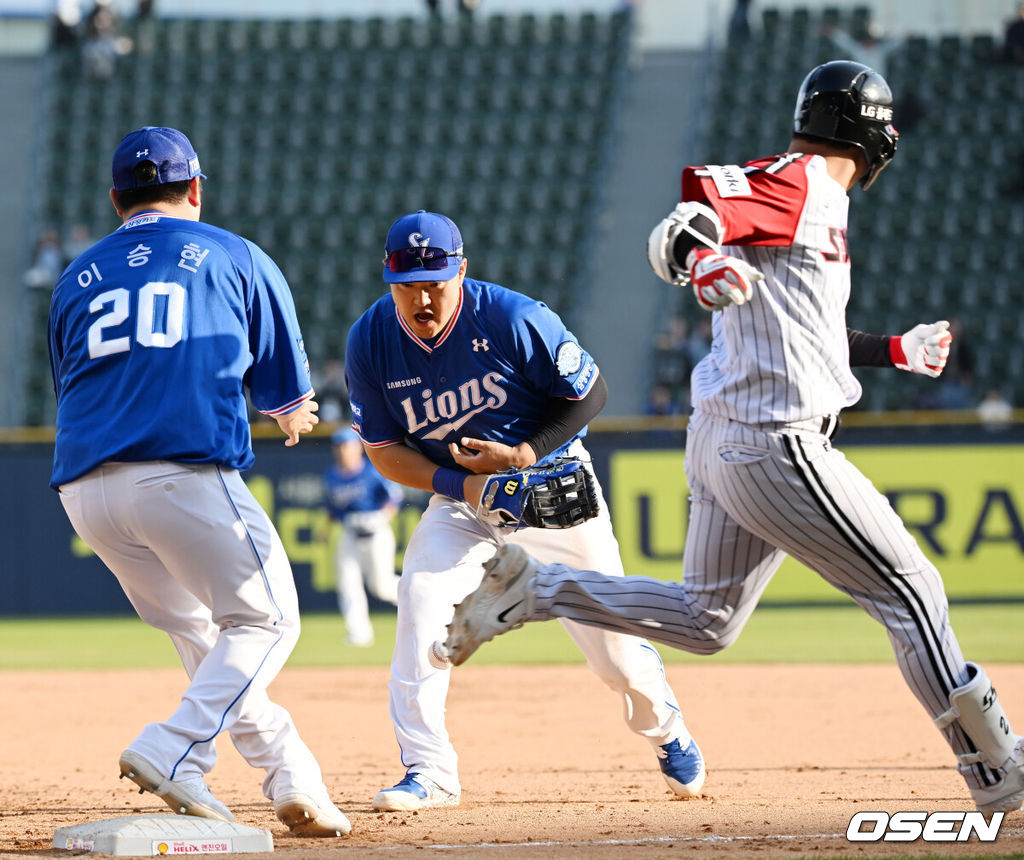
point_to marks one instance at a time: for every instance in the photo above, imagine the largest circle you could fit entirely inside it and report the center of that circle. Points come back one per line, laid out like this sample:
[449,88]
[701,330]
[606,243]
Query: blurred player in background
[155,332]
[453,379]
[764,248]
[364,503]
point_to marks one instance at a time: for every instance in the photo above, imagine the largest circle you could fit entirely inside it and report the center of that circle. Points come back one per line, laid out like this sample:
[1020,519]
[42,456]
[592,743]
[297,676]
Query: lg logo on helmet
[934,827]
[880,112]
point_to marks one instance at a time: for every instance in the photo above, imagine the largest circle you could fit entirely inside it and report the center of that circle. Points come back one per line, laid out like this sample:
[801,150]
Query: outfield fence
[957,484]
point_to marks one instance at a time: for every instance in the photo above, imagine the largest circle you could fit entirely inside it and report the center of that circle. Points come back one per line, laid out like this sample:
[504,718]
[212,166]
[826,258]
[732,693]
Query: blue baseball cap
[417,231]
[167,148]
[345,434]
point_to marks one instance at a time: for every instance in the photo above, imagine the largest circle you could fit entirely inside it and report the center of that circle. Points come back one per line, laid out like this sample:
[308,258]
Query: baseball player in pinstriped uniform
[452,379]
[155,332]
[764,246]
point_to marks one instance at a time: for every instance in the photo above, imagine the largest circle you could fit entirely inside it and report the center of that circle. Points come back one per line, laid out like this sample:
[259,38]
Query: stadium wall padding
[960,489]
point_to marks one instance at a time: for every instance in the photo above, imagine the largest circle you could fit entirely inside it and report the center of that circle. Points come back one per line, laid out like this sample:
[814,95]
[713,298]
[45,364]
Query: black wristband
[868,350]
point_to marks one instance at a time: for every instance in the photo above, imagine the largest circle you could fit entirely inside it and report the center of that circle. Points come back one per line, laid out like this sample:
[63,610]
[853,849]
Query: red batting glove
[719,280]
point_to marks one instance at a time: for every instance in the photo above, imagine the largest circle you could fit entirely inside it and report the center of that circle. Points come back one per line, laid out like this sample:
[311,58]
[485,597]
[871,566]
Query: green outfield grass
[988,633]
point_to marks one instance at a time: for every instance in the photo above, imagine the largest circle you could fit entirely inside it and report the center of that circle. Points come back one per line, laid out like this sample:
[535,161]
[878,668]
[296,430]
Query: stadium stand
[315,134]
[941,234]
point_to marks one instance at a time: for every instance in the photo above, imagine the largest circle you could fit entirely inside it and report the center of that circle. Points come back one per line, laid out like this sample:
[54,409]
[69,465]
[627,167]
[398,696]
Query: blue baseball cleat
[683,769]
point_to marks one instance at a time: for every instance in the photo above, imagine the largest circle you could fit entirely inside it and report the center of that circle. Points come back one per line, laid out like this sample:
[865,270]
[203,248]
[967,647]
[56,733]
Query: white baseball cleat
[501,602]
[415,791]
[305,817]
[190,796]
[1008,794]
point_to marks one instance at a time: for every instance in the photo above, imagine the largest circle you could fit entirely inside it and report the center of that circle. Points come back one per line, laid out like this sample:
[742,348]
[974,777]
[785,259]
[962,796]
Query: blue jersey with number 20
[490,374]
[153,332]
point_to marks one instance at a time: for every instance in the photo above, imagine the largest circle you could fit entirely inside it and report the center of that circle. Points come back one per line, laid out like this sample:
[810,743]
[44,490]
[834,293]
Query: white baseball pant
[443,563]
[364,559]
[199,559]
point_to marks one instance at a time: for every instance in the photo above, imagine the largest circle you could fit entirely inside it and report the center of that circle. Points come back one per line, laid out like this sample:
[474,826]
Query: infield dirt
[549,769]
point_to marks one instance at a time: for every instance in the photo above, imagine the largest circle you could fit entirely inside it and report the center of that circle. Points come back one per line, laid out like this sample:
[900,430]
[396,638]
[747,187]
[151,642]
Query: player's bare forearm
[403,465]
[484,457]
[410,468]
[298,421]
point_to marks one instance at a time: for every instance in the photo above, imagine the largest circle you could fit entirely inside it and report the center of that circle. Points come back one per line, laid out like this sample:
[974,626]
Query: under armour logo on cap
[169,150]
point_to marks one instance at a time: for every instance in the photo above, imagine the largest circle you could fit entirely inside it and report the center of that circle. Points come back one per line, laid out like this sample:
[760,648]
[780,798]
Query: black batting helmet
[849,103]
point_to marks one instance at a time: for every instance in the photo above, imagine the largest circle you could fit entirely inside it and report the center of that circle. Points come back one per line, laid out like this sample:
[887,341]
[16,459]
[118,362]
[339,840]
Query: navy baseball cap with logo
[167,148]
[422,246]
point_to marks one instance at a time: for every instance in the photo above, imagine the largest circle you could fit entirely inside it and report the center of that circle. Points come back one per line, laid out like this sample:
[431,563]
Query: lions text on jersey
[488,374]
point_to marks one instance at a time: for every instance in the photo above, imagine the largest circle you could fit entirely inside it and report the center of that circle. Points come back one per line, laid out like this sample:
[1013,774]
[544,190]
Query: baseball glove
[557,496]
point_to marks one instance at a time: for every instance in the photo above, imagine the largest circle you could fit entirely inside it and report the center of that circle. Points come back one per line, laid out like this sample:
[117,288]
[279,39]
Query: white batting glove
[719,281]
[923,349]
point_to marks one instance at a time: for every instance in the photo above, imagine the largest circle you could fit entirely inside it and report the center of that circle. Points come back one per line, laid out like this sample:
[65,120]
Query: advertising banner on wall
[964,503]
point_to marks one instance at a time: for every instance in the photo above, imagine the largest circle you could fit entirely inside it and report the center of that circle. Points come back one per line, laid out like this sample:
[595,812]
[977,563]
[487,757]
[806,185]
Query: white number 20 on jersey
[147,333]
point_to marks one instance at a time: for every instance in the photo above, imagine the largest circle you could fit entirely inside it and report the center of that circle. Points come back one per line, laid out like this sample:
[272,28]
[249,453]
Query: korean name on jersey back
[157,299]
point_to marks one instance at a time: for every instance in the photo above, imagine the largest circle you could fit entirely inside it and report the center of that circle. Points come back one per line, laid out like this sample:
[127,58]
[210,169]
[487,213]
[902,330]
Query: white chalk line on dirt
[650,840]
[653,840]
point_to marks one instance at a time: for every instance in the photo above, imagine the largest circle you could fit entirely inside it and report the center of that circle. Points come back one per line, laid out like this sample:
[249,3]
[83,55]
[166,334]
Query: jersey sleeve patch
[582,383]
[568,358]
[759,204]
[730,180]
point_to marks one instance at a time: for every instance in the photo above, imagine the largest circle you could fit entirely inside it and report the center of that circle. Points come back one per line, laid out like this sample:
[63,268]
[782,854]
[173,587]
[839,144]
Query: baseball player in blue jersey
[155,334]
[364,503]
[451,380]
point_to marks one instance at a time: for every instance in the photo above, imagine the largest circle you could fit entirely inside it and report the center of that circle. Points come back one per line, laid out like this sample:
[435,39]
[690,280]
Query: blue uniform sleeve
[371,418]
[552,357]
[279,377]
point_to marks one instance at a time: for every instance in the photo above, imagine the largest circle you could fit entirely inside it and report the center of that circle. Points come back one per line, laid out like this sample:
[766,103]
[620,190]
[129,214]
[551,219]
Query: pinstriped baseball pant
[757,495]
